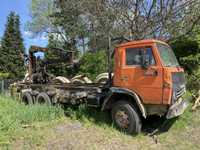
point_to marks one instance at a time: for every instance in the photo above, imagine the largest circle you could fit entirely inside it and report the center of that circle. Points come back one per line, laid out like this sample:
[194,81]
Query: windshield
[167,55]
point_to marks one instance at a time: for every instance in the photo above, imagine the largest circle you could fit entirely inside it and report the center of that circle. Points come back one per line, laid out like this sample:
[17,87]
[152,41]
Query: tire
[78,81]
[43,98]
[61,79]
[126,118]
[27,98]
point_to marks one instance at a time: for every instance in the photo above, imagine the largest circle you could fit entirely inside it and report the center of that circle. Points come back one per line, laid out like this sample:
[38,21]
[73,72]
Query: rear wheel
[126,118]
[27,98]
[43,98]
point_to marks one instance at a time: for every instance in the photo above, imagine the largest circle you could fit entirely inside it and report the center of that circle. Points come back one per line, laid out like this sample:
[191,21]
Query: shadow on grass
[153,125]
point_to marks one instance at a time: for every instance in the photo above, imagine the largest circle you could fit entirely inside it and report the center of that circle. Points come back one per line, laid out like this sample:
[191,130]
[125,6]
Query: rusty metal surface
[34,49]
[63,93]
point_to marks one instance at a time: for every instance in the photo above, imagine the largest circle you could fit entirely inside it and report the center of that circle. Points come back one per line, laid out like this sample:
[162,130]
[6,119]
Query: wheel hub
[122,119]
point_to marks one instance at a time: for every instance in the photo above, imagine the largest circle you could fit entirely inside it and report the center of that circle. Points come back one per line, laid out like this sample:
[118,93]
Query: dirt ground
[72,135]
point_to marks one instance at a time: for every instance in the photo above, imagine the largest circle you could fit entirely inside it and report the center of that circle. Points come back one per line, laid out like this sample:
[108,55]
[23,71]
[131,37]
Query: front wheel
[125,117]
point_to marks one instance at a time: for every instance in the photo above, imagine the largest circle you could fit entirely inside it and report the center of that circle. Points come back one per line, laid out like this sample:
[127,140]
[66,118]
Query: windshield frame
[168,58]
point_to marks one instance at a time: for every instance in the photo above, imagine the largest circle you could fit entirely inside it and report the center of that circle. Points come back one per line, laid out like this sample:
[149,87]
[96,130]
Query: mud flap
[177,109]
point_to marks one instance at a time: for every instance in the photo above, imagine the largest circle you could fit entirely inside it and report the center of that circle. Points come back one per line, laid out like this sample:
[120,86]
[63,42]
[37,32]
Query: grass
[34,126]
[178,133]
[88,115]
[15,116]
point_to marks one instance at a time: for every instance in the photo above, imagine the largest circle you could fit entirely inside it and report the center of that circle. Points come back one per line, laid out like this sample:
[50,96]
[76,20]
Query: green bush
[92,64]
[4,75]
[187,51]
[192,66]
[193,81]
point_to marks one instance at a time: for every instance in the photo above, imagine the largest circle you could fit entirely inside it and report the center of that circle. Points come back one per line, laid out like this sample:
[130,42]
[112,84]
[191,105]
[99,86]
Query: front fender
[116,90]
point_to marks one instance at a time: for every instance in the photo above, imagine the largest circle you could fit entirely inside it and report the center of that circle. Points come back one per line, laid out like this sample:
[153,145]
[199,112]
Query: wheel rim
[122,119]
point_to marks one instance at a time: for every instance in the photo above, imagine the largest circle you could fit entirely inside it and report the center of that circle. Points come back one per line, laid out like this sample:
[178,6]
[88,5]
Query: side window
[134,56]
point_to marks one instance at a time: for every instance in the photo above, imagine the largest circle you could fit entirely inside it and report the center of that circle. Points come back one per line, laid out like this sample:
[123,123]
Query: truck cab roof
[140,42]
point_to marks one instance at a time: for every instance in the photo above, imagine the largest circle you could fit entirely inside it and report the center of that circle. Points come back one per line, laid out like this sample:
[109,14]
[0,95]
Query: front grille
[179,88]
[179,92]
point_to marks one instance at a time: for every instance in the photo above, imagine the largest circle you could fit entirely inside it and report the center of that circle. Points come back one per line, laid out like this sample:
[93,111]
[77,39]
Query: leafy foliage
[86,23]
[11,52]
[40,21]
[56,69]
[92,64]
[193,81]
[187,50]
[191,62]
[4,75]
[61,68]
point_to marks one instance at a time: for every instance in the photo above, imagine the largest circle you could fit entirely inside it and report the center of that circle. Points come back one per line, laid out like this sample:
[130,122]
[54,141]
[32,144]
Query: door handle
[151,72]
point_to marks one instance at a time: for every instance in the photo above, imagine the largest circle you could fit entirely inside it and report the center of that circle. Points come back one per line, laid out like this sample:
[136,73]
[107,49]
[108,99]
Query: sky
[21,7]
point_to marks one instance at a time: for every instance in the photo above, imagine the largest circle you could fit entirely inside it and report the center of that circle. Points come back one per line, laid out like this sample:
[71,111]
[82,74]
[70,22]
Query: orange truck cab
[148,73]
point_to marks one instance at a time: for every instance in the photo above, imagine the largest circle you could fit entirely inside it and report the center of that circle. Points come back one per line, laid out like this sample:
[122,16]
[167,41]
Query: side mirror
[145,60]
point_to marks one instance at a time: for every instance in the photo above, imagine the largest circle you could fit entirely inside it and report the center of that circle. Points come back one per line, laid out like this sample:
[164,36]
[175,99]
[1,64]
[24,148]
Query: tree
[56,69]
[93,64]
[187,50]
[92,21]
[59,68]
[40,11]
[12,48]
[159,19]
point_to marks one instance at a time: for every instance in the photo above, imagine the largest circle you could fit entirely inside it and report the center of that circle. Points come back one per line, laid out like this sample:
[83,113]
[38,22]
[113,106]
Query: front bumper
[177,108]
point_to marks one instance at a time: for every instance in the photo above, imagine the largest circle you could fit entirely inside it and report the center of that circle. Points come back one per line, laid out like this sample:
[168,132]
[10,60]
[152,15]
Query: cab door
[146,82]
